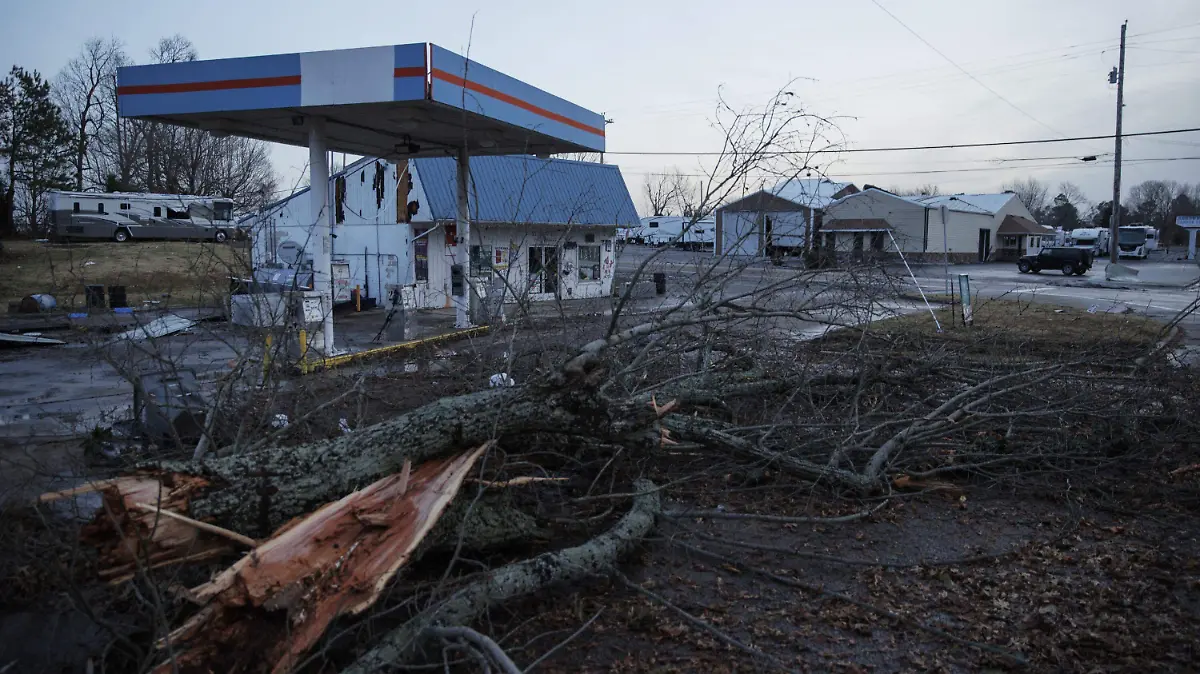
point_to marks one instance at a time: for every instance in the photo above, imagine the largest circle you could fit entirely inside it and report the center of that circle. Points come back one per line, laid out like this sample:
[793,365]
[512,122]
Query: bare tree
[1074,194]
[718,393]
[119,148]
[923,190]
[1151,200]
[1032,192]
[132,155]
[79,90]
[658,189]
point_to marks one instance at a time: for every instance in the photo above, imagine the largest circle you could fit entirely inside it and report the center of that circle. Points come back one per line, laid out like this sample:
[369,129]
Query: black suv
[1069,260]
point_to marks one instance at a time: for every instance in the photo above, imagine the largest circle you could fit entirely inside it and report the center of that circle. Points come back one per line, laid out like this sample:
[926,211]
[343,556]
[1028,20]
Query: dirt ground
[1061,581]
[185,273]
[1085,571]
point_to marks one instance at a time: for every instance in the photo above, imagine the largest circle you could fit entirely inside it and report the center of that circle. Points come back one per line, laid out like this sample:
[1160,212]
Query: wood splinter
[202,526]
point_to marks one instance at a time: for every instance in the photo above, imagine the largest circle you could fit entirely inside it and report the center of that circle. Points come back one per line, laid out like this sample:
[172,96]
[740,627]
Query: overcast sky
[655,67]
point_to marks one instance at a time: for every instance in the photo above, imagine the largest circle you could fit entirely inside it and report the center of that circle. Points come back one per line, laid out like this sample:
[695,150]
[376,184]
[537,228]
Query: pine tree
[35,143]
[6,185]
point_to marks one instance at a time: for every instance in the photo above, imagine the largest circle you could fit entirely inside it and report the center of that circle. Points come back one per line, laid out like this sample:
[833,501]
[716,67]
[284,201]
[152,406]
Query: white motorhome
[127,216]
[1137,241]
[1094,239]
[661,230]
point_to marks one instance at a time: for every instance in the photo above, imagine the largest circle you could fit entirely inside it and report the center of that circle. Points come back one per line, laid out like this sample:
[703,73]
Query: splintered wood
[129,535]
[268,609]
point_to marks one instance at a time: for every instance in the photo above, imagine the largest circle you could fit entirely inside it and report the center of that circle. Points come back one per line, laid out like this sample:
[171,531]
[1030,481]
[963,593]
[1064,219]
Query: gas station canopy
[410,100]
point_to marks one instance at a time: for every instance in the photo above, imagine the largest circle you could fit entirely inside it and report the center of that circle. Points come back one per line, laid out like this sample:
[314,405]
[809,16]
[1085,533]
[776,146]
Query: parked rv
[1093,239]
[681,232]
[121,216]
[1137,241]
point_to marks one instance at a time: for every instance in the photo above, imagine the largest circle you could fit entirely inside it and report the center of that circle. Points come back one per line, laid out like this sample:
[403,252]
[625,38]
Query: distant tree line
[65,134]
[1153,202]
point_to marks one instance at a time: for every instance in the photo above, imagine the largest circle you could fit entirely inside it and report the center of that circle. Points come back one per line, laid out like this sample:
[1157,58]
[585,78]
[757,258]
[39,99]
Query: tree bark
[255,493]
[596,557]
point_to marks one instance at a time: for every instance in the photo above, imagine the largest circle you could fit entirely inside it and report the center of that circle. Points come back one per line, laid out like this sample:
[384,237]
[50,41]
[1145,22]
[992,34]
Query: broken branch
[202,526]
[596,557]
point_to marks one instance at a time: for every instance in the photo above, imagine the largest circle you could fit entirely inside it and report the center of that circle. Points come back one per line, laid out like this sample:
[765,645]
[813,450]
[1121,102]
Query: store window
[481,261]
[421,257]
[589,263]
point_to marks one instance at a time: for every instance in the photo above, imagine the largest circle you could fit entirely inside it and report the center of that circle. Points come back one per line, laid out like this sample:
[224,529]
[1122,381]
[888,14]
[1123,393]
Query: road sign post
[964,295]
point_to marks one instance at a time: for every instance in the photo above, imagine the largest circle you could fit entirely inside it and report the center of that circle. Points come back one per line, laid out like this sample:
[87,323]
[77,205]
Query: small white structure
[1192,224]
[776,221]
[541,229]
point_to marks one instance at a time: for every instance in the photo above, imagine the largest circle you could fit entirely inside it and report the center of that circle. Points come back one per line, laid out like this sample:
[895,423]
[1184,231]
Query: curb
[334,361]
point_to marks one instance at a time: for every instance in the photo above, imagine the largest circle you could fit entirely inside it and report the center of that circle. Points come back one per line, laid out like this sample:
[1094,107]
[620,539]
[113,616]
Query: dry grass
[1020,328]
[178,272]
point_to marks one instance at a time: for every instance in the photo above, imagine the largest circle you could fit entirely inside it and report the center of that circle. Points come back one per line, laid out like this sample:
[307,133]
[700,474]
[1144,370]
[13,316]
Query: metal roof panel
[529,190]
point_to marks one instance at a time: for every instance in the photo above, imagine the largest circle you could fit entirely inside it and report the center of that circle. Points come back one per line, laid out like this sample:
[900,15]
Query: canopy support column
[320,241]
[462,300]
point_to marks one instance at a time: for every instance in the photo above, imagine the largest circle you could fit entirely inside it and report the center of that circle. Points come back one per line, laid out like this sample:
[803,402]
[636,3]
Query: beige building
[964,227]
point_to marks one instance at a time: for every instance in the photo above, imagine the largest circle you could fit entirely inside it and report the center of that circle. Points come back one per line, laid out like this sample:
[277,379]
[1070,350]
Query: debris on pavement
[159,327]
[12,341]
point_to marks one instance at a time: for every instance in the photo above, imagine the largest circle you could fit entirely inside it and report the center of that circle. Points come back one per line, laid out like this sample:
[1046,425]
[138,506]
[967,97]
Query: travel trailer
[1094,239]
[662,230]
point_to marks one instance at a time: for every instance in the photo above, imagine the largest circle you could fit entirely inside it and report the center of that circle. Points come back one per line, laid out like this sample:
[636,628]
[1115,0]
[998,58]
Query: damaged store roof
[529,190]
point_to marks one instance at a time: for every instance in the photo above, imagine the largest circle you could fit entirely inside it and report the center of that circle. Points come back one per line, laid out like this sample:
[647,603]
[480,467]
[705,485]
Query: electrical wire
[870,173]
[964,71]
[908,148]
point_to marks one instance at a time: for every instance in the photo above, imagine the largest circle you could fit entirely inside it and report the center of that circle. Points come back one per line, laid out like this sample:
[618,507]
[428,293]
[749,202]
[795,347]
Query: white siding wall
[377,248]
[964,227]
[515,241]
[434,291]
[962,232]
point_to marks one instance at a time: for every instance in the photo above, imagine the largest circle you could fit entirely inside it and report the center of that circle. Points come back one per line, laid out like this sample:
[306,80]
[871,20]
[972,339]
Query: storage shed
[776,221]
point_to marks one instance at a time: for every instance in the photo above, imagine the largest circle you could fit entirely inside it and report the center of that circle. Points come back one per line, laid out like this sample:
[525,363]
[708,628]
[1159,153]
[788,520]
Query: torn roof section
[988,204]
[517,189]
[410,100]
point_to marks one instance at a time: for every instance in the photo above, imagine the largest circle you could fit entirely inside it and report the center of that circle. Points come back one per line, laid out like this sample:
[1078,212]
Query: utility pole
[607,121]
[1117,76]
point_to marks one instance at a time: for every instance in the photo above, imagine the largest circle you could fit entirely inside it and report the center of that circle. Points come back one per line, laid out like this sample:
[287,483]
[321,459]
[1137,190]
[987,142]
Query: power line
[908,148]
[964,70]
[871,173]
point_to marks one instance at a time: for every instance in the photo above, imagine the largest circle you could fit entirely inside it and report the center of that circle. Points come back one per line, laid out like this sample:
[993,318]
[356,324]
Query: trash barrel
[660,283]
[33,304]
[116,297]
[94,295]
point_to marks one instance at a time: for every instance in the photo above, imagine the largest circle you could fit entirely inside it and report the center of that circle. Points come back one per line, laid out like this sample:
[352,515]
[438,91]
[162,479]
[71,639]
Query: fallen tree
[416,525]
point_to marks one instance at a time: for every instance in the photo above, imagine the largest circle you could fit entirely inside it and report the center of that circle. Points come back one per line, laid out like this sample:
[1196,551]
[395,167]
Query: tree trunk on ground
[257,492]
[596,557]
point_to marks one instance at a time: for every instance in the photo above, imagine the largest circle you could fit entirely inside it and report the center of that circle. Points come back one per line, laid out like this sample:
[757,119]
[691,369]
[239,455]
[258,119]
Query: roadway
[1163,288]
